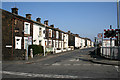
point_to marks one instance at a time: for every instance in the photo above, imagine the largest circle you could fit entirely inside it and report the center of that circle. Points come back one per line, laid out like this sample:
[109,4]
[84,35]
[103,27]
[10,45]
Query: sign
[30,40]
[117,31]
[100,35]
[110,33]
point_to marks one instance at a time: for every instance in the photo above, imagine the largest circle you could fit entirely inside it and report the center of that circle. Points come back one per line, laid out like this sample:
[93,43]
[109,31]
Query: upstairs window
[40,31]
[57,34]
[26,28]
[50,33]
[62,36]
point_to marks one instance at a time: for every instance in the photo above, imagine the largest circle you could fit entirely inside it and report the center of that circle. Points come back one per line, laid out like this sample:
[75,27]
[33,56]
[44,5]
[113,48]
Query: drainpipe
[12,37]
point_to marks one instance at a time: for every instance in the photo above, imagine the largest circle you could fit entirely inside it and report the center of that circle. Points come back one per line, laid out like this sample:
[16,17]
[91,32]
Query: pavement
[91,57]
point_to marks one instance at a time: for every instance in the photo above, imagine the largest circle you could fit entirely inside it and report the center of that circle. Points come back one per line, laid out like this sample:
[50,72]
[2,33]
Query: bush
[37,49]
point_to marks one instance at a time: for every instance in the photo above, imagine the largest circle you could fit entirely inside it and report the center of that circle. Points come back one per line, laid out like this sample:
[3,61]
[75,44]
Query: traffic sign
[100,35]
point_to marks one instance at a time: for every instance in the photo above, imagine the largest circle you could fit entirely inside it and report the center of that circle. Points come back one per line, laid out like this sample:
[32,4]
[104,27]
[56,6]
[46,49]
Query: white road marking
[107,65]
[0,62]
[66,64]
[87,64]
[38,75]
[76,64]
[72,60]
[46,64]
[97,64]
[56,64]
[117,68]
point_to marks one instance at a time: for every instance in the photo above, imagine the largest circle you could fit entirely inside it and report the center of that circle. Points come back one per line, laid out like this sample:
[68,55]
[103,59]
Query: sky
[84,18]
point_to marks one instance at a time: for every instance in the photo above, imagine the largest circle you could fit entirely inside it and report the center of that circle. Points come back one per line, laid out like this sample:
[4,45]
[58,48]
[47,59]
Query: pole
[102,44]
[27,51]
[118,29]
[95,46]
[44,50]
[44,41]
[110,45]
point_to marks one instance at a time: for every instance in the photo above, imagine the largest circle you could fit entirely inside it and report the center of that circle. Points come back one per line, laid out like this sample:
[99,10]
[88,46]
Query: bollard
[26,56]
[31,53]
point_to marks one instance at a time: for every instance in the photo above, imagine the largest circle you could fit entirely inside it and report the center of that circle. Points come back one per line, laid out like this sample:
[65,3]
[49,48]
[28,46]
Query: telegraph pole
[118,29]
[110,44]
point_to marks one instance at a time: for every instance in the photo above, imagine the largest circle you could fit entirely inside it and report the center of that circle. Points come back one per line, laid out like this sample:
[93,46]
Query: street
[67,65]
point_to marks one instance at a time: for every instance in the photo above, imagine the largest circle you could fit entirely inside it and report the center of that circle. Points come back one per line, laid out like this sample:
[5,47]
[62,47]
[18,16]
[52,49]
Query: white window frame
[57,34]
[20,38]
[28,25]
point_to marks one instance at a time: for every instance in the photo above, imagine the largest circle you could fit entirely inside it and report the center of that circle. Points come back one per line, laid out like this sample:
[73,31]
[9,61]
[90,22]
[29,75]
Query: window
[26,28]
[40,31]
[57,34]
[62,36]
[44,31]
[40,42]
[50,33]
[18,42]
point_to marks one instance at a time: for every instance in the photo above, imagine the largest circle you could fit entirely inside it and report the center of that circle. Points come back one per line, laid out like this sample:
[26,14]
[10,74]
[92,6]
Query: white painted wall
[77,42]
[106,43]
[66,40]
[88,43]
[38,34]
[82,43]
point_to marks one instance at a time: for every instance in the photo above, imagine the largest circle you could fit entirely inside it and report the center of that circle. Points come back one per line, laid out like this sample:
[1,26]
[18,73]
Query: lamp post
[118,29]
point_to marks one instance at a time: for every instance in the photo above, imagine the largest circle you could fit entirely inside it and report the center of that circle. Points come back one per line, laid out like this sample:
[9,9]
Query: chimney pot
[68,31]
[38,20]
[46,22]
[15,10]
[28,16]
[52,25]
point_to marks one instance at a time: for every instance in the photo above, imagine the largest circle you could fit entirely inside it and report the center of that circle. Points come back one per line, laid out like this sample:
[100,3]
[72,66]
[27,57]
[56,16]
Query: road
[68,65]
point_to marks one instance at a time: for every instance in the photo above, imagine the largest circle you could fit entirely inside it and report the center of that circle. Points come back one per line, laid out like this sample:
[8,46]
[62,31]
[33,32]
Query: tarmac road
[73,65]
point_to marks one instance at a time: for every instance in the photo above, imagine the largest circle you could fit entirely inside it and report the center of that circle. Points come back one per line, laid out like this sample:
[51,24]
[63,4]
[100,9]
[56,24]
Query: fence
[109,52]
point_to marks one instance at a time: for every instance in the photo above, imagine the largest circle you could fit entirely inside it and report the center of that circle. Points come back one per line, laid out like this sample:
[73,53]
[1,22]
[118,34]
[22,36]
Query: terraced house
[19,32]
[16,31]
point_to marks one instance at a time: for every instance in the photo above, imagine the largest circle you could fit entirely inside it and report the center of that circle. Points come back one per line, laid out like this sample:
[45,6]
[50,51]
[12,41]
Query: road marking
[46,64]
[97,64]
[86,64]
[74,60]
[56,64]
[107,65]
[66,64]
[76,64]
[38,75]
[0,62]
[117,68]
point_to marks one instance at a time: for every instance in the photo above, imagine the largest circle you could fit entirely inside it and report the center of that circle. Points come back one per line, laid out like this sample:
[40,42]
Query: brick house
[18,32]
[15,33]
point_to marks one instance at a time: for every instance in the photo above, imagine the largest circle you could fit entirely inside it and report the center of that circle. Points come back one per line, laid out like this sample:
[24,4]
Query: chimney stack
[68,31]
[15,10]
[38,20]
[28,16]
[46,22]
[52,25]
